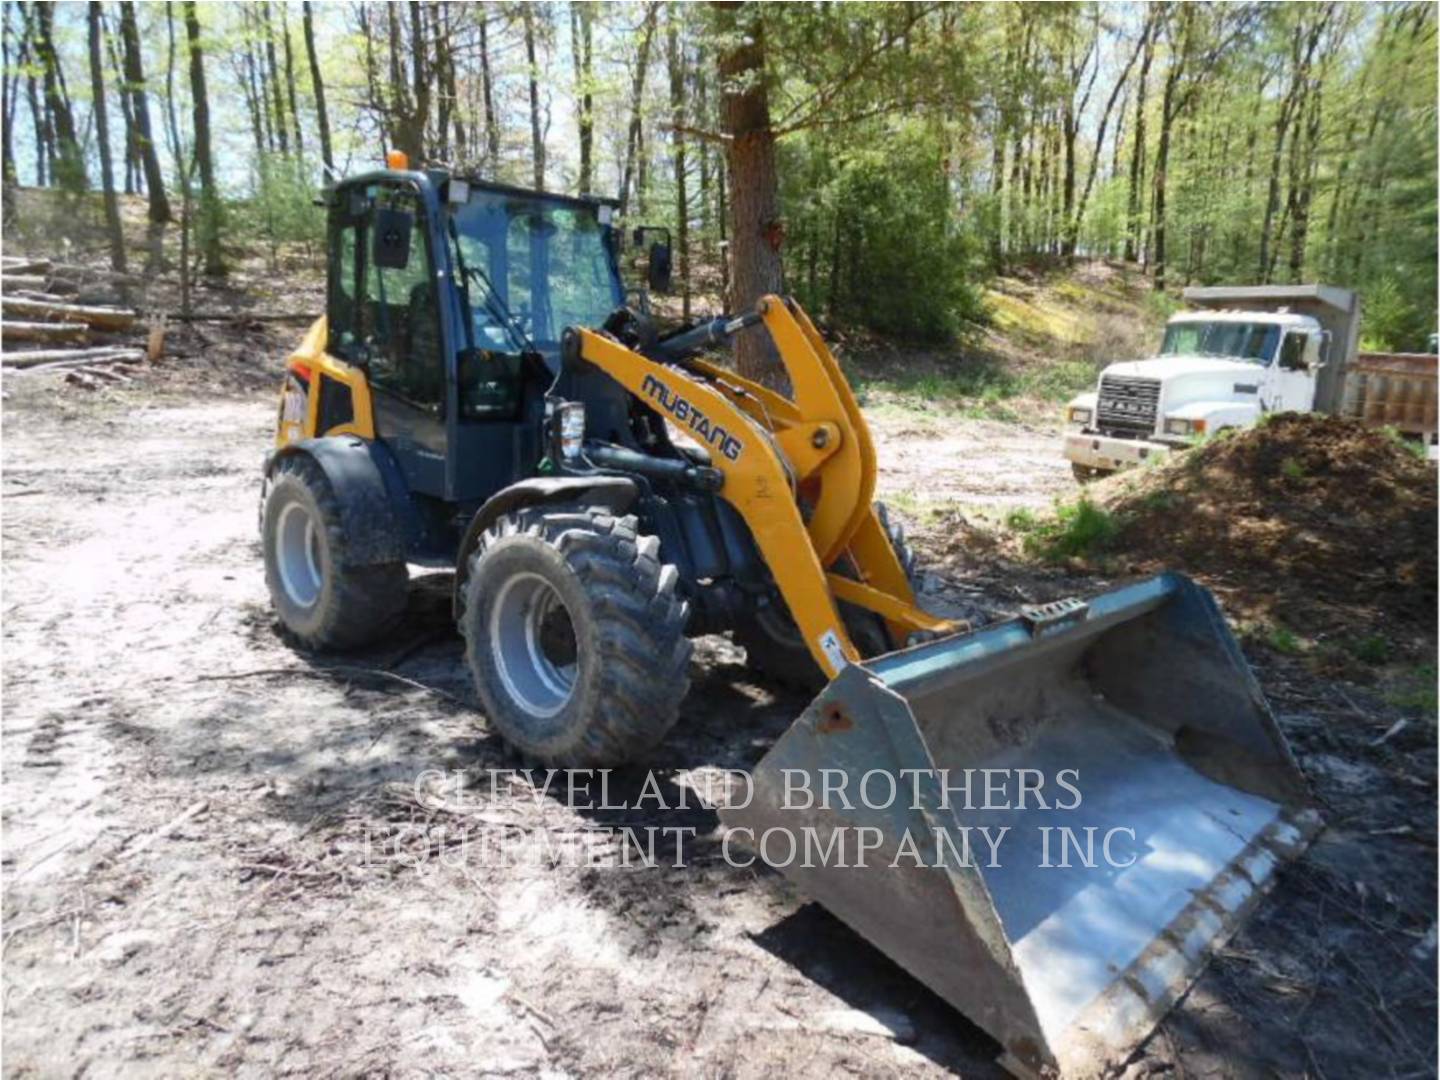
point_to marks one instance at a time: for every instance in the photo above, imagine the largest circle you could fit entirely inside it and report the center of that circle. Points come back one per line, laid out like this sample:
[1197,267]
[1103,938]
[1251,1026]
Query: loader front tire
[772,641]
[323,602]
[575,635]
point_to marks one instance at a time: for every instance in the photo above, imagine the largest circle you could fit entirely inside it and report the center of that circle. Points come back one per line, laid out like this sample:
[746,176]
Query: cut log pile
[38,313]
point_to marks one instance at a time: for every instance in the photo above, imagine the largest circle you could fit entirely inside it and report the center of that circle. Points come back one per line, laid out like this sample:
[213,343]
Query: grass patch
[1416,447]
[1074,531]
[1417,691]
[1282,640]
[915,506]
[1372,649]
[1292,469]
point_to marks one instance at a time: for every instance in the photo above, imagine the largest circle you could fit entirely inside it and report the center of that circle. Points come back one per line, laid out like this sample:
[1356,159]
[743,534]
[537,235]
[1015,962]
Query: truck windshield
[1254,342]
[548,262]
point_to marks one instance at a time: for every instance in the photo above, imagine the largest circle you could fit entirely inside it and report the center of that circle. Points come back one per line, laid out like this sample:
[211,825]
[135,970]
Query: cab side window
[384,305]
[1292,352]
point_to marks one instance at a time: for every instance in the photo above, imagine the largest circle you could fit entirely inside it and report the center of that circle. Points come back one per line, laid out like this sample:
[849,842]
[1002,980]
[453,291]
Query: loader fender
[614,493]
[375,509]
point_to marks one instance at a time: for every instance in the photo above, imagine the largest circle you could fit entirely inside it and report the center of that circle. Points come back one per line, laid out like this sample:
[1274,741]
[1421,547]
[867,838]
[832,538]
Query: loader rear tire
[772,642]
[323,603]
[575,635]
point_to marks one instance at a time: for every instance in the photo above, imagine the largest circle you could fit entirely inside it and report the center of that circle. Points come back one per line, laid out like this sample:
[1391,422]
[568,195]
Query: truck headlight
[1079,414]
[1174,425]
[572,429]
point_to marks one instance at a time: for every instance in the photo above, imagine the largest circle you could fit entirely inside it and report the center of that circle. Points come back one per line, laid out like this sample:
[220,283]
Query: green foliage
[1417,692]
[1409,444]
[1073,531]
[1372,649]
[1389,322]
[1282,640]
[874,237]
[282,211]
[1292,469]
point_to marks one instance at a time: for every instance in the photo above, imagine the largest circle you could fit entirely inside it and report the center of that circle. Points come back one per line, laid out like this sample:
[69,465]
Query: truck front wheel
[1085,473]
[575,635]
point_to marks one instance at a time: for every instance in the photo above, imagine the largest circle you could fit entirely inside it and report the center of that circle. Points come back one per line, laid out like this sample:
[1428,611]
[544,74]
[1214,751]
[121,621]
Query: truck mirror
[658,276]
[390,247]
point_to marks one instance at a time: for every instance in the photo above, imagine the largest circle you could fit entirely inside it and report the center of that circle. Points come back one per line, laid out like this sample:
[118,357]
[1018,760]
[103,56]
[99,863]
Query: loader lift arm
[771,450]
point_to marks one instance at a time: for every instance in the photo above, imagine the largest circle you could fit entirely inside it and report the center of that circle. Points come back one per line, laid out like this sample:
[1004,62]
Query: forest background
[881,161]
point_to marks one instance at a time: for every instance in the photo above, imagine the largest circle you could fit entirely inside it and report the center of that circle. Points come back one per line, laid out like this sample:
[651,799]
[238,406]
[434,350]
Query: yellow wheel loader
[480,396]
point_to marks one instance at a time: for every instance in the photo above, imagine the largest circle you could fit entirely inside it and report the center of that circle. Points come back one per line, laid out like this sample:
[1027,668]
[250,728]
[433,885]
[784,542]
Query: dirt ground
[305,914]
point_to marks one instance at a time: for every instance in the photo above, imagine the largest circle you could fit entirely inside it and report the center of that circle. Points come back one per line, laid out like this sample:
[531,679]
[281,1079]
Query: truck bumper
[1109,453]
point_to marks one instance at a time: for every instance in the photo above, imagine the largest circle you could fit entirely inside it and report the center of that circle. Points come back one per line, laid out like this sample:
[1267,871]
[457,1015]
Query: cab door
[1290,383]
[385,316]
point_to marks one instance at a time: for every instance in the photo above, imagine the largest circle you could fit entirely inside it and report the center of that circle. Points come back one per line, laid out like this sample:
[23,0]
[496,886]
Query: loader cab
[452,296]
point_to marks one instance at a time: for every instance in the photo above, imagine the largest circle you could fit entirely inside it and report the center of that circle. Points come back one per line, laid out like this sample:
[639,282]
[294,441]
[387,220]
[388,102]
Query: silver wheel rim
[297,555]
[524,620]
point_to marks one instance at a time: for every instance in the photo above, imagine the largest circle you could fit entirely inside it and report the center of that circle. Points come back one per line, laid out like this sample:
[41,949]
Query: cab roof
[1269,318]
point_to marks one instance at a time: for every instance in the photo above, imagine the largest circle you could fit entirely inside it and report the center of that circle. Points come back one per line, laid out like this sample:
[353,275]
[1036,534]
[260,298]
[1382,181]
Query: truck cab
[1216,370]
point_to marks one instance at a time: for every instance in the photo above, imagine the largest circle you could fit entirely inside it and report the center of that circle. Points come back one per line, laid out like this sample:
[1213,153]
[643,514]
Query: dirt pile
[1320,522]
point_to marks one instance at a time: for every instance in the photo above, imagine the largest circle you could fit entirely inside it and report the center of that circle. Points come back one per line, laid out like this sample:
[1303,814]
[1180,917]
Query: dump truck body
[1084,807]
[1396,390]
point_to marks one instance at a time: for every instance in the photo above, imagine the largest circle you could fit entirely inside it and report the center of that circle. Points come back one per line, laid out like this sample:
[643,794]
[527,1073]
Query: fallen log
[105,318]
[242,317]
[43,358]
[74,333]
[117,374]
[11,282]
[12,264]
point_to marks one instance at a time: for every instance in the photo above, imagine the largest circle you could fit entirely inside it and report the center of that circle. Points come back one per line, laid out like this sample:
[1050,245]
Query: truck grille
[1127,405]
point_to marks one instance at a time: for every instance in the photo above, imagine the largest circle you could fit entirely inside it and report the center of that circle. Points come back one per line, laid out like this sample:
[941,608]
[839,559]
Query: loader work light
[572,429]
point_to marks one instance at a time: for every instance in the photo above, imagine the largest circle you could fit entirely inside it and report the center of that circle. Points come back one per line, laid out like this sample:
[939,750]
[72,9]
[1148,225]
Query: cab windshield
[1253,342]
[532,267]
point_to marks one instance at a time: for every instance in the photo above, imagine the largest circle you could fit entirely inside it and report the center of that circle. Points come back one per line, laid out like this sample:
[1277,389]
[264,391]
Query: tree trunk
[1073,218]
[38,114]
[127,115]
[753,183]
[282,134]
[140,108]
[1162,162]
[1302,186]
[70,158]
[637,93]
[537,140]
[492,121]
[102,136]
[702,112]
[582,18]
[322,117]
[290,78]
[204,160]
[1134,207]
[9,176]
[675,57]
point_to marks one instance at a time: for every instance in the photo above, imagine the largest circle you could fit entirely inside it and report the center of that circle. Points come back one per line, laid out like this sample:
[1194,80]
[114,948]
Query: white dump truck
[1233,355]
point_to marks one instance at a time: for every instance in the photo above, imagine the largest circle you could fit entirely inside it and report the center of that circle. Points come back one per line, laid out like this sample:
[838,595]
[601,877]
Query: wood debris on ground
[41,317]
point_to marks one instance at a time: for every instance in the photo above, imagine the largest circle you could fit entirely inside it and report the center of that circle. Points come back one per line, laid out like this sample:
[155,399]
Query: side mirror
[655,240]
[390,246]
[659,274]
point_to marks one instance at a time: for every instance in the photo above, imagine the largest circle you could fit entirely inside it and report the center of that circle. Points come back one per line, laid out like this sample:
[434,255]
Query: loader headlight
[1174,425]
[1079,414]
[571,423]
